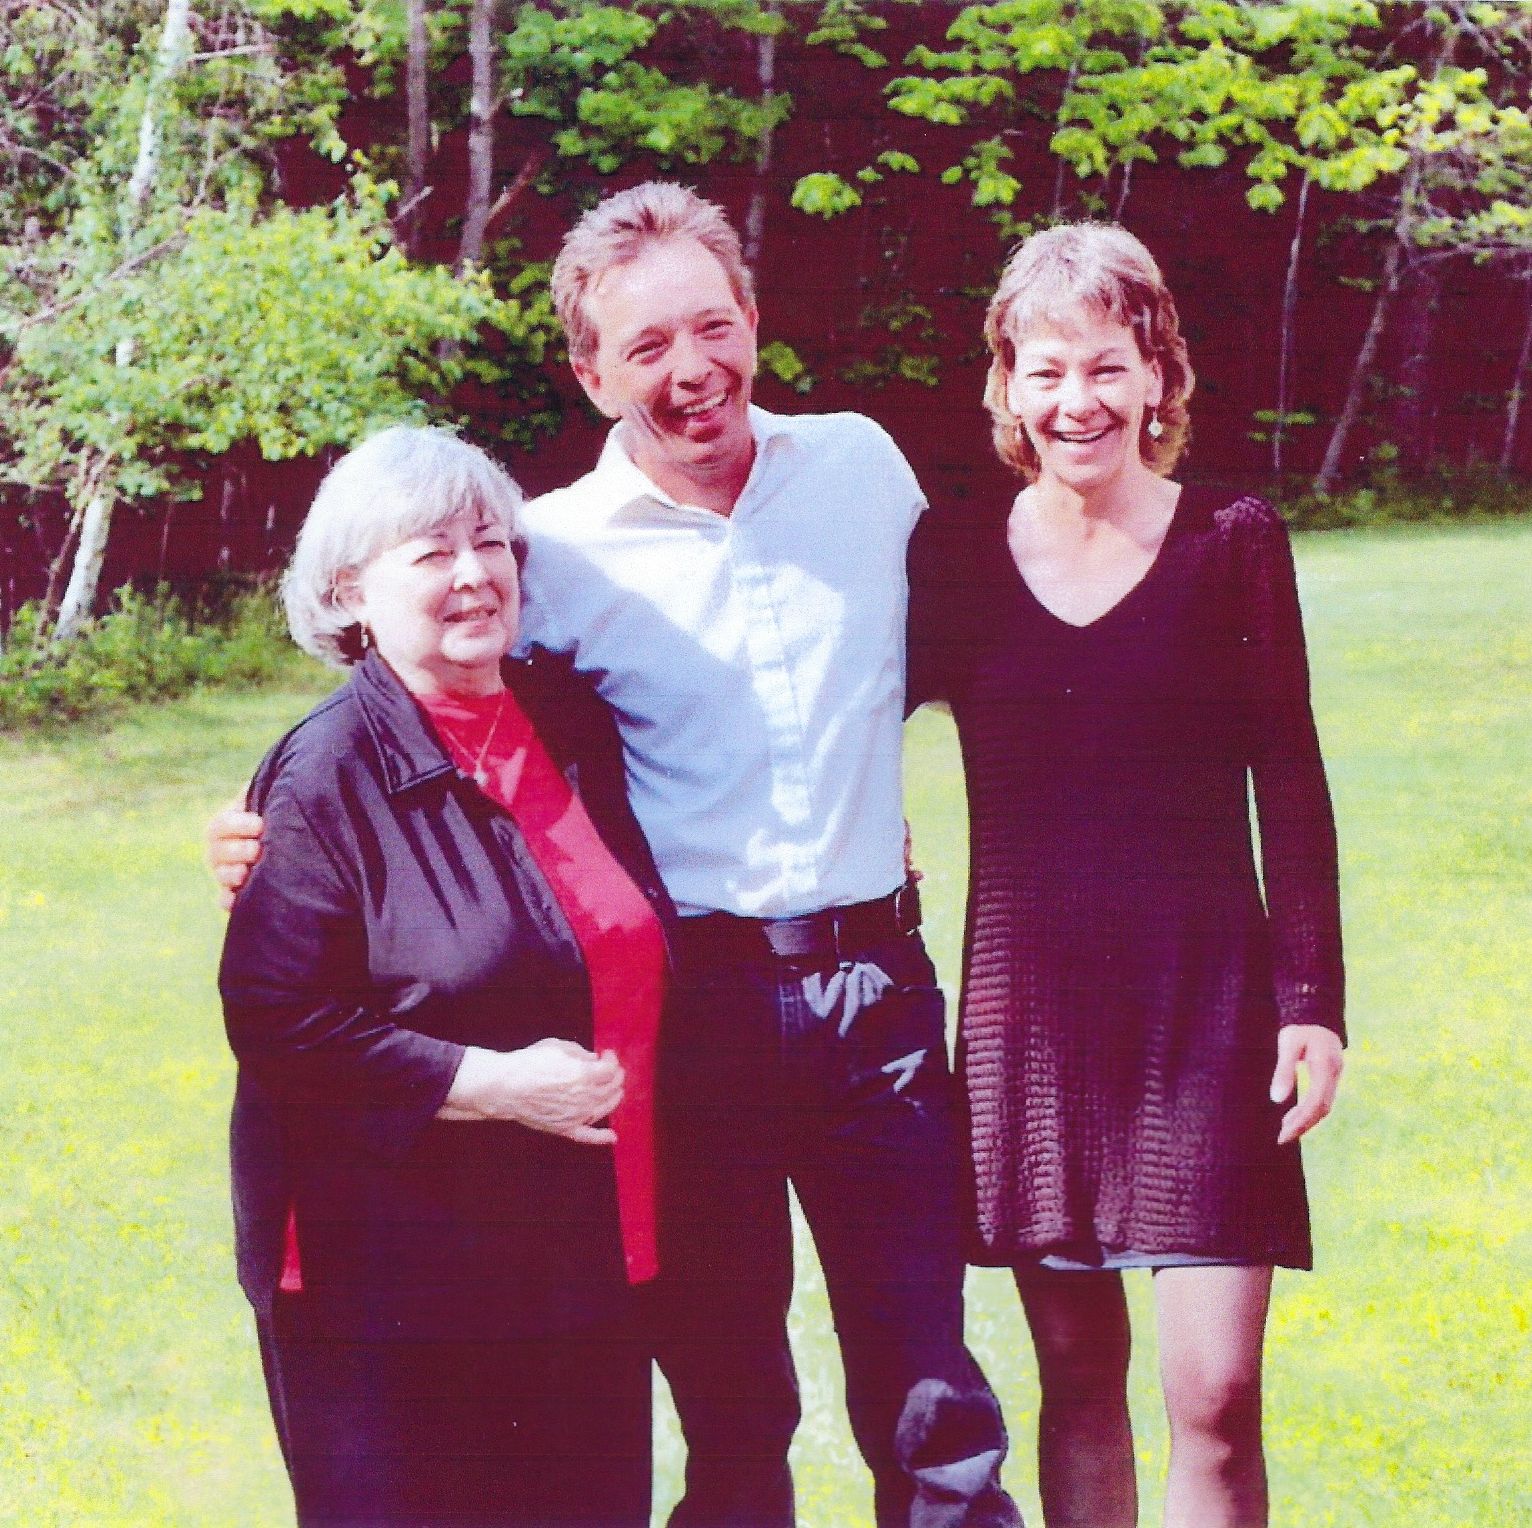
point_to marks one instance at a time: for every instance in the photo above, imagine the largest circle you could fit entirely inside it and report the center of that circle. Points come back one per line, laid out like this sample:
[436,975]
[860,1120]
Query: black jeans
[835,1077]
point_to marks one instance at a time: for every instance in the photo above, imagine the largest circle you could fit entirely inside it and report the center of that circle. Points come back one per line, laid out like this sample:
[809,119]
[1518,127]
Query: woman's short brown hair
[1103,268]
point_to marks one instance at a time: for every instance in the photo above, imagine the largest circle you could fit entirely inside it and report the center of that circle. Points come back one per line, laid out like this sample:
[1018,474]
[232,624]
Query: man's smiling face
[674,359]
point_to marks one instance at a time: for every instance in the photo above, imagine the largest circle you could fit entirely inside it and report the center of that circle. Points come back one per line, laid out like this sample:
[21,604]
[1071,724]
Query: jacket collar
[408,748]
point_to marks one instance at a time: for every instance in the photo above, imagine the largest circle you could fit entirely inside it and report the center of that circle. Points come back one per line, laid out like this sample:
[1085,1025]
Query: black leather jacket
[395,916]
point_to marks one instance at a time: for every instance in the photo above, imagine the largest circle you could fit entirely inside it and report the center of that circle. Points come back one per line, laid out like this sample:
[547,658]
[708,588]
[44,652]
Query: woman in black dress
[1124,658]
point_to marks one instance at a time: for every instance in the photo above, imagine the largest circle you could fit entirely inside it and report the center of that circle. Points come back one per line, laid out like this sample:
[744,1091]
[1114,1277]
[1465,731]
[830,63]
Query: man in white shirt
[734,583]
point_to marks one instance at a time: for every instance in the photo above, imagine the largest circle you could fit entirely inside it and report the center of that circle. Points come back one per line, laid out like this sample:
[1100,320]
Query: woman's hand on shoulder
[1319,1050]
[554,1085]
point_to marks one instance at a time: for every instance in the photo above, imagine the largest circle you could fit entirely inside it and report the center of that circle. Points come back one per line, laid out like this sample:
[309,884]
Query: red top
[619,936]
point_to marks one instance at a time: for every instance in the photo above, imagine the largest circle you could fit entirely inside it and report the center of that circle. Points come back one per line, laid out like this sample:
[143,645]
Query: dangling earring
[1154,429]
[363,637]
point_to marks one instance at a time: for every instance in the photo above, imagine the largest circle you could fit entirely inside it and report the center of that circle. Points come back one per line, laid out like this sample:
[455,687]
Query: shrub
[145,647]
[1431,497]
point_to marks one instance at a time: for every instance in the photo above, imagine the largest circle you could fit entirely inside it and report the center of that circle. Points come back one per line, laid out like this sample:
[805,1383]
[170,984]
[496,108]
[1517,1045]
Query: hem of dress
[1033,1254]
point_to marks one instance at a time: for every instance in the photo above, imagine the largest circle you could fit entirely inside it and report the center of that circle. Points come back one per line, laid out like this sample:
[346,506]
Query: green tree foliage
[1415,114]
[291,329]
[164,297]
[161,300]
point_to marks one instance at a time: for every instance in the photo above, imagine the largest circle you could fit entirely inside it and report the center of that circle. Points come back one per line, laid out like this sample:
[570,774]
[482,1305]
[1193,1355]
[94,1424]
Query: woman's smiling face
[1080,386]
[442,607]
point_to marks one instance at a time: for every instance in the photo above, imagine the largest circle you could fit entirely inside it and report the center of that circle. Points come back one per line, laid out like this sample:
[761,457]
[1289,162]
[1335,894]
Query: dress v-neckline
[1125,597]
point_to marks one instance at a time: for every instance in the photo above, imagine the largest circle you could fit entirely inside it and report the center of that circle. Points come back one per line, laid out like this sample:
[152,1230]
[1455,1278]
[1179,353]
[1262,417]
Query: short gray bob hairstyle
[404,481]
[619,229]
[1109,272]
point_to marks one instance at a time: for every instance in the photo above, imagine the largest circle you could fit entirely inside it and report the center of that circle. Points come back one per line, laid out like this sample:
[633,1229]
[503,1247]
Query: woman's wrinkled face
[443,607]
[1079,386]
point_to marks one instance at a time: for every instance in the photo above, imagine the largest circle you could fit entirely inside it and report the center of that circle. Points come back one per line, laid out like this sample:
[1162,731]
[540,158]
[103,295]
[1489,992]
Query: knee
[1082,1362]
[1222,1409]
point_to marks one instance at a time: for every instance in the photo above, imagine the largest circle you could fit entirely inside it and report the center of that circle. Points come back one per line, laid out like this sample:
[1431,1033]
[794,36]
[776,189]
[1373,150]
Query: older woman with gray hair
[442,982]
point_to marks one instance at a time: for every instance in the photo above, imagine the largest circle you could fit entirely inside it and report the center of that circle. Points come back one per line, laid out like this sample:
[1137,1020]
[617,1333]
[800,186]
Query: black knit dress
[1124,979]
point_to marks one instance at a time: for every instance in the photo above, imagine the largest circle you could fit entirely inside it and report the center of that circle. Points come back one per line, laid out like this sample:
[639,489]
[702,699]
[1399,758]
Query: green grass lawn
[1398,1373]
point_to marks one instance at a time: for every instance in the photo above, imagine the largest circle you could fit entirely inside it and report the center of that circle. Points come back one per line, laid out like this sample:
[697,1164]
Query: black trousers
[530,1432]
[835,1078]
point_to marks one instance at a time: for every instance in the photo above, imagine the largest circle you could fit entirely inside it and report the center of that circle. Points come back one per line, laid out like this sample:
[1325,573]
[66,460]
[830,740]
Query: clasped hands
[553,1085]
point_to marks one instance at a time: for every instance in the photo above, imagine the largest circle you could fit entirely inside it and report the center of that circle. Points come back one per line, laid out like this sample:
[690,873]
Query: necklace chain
[478,771]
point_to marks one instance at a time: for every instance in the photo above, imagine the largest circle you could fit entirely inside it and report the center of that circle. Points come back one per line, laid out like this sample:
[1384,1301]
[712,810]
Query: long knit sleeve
[1298,846]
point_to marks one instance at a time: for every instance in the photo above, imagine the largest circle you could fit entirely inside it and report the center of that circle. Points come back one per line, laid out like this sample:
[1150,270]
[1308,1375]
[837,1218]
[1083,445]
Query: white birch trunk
[755,216]
[1289,312]
[85,573]
[95,527]
[175,44]
[481,135]
[1517,394]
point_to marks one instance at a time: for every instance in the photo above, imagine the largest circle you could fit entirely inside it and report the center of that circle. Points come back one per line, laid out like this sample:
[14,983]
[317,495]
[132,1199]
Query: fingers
[1285,1078]
[912,872]
[559,1087]
[233,848]
[233,844]
[600,1096]
[1319,1051]
[1302,1117]
[589,1135]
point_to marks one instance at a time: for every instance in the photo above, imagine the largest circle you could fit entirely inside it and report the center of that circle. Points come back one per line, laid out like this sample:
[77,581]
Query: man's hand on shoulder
[233,842]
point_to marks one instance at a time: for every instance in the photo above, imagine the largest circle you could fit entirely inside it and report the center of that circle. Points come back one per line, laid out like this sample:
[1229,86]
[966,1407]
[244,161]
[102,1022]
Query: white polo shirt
[755,662]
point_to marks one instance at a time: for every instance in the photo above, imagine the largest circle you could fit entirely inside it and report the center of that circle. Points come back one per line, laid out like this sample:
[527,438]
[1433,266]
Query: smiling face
[674,359]
[1080,387]
[442,607]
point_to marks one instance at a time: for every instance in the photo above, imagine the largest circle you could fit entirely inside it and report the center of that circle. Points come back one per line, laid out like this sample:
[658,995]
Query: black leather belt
[837,933]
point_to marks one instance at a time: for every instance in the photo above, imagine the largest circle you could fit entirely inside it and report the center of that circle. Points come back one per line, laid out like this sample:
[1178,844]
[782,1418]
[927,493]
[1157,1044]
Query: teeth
[705,405]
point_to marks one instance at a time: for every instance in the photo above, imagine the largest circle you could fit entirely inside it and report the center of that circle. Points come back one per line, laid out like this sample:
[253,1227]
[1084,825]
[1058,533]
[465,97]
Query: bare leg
[1079,1326]
[1212,1323]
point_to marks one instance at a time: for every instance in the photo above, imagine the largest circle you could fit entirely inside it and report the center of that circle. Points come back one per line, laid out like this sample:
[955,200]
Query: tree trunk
[418,147]
[1058,170]
[55,586]
[1518,391]
[755,214]
[481,134]
[96,523]
[1421,294]
[1123,190]
[89,558]
[175,44]
[1288,337]
[1401,238]
[1361,371]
